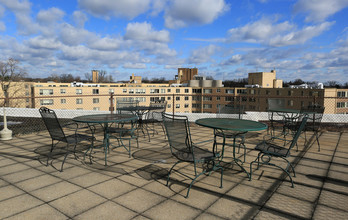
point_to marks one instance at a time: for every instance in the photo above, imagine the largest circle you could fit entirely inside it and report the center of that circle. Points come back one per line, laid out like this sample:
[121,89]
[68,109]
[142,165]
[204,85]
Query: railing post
[111,108]
[173,103]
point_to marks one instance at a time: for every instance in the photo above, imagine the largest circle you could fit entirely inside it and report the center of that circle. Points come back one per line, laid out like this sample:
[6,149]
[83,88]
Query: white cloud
[134,66]
[106,43]
[319,10]
[73,36]
[50,16]
[110,8]
[144,32]
[202,55]
[79,18]
[40,42]
[182,13]
[266,32]
[2,26]
[235,59]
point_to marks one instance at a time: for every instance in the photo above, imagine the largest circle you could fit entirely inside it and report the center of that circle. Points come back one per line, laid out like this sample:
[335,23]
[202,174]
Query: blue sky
[225,39]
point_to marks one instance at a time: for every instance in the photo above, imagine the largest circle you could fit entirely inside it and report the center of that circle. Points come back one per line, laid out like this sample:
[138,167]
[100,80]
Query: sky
[225,39]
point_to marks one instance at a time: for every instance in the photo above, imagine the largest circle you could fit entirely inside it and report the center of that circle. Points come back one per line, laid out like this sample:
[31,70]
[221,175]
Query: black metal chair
[182,148]
[269,149]
[315,115]
[229,111]
[275,118]
[125,132]
[57,134]
[154,116]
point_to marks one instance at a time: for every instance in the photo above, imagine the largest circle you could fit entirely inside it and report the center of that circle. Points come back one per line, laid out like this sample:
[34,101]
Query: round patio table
[239,126]
[105,120]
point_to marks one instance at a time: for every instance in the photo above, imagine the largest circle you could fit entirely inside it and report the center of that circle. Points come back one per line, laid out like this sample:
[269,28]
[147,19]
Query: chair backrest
[121,104]
[274,103]
[52,124]
[315,115]
[157,113]
[298,133]
[231,111]
[178,133]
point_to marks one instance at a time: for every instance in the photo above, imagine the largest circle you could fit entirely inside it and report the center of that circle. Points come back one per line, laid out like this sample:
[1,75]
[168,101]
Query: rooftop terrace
[134,188]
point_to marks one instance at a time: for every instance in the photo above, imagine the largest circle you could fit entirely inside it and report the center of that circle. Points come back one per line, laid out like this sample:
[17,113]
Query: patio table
[238,126]
[105,120]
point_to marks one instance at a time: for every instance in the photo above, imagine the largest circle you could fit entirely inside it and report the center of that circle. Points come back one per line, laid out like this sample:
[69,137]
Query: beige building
[264,80]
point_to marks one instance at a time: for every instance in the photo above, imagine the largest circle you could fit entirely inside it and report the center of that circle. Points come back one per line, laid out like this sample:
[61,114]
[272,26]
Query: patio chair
[315,115]
[269,149]
[154,116]
[125,132]
[182,148]
[275,118]
[236,112]
[120,104]
[57,134]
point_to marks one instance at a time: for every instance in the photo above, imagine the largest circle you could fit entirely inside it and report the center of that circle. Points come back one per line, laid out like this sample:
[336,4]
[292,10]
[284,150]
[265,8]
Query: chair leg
[317,137]
[170,171]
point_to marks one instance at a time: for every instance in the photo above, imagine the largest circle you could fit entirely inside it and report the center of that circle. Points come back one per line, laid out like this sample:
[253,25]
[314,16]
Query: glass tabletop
[231,124]
[105,118]
[139,108]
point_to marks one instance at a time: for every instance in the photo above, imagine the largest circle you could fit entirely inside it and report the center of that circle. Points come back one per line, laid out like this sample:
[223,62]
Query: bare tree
[10,73]
[102,77]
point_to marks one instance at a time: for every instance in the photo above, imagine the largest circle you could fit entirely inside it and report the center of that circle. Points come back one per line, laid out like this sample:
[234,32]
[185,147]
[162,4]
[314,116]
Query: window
[62,91]
[218,98]
[268,92]
[341,104]
[163,90]
[218,90]
[177,98]
[196,90]
[46,102]
[241,91]
[229,91]
[207,98]
[186,98]
[95,91]
[196,98]
[95,100]
[154,91]
[131,91]
[140,91]
[169,106]
[78,91]
[186,90]
[78,101]
[46,91]
[186,105]
[208,91]
[228,98]
[96,108]
[341,94]
[63,101]
[169,98]
[177,106]
[290,103]
[169,90]
[196,105]
[205,106]
[290,93]
[252,91]
[177,90]
[124,90]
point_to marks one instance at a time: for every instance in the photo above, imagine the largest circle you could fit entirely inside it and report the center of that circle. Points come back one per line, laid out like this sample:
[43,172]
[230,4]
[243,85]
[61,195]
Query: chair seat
[199,155]
[120,130]
[77,138]
[272,149]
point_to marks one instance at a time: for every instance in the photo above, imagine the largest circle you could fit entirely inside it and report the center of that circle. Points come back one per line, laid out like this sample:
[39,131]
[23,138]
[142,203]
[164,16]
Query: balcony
[130,188]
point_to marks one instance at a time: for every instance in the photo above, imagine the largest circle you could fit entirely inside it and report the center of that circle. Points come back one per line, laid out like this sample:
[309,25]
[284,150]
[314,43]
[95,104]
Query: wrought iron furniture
[235,125]
[229,111]
[184,150]
[57,134]
[154,116]
[269,149]
[105,120]
[140,111]
[275,115]
[315,115]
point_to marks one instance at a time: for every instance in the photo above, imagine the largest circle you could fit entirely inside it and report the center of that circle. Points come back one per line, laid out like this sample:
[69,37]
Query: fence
[23,116]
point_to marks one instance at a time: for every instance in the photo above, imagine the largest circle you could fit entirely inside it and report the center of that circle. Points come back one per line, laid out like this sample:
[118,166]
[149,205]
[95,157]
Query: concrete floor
[134,188]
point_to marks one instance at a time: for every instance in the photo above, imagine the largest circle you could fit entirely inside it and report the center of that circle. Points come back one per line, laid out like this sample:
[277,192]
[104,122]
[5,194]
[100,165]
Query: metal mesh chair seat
[272,149]
[154,116]
[200,154]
